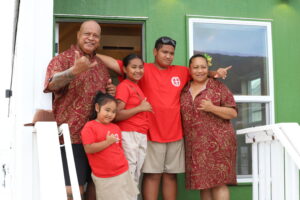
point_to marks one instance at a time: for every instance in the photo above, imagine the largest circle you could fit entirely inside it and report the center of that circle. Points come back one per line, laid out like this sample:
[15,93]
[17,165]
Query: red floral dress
[210,141]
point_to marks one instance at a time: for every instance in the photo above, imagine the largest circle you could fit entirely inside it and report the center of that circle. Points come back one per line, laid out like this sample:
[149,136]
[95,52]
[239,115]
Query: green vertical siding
[168,17]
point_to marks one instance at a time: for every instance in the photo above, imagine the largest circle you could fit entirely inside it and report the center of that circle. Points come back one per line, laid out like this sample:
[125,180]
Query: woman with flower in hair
[207,106]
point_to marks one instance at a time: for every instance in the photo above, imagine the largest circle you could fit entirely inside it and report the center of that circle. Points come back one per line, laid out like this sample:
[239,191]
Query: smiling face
[88,37]
[164,56]
[107,112]
[134,70]
[199,69]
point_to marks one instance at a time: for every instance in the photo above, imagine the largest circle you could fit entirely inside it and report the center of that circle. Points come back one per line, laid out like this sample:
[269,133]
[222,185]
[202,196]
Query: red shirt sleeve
[87,135]
[122,92]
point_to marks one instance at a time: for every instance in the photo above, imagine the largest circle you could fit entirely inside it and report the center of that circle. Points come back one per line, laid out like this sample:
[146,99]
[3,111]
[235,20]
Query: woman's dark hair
[128,58]
[197,56]
[100,99]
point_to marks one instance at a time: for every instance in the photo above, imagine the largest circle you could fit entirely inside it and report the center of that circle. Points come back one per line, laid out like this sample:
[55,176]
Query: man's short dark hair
[164,41]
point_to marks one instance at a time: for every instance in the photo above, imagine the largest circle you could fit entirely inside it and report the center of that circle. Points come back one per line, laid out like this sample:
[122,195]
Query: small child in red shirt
[132,114]
[102,143]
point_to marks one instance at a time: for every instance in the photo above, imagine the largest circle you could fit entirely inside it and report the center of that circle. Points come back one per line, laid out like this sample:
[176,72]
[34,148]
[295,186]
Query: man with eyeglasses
[162,84]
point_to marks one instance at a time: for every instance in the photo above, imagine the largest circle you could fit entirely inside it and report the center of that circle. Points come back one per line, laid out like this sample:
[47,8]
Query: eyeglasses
[165,40]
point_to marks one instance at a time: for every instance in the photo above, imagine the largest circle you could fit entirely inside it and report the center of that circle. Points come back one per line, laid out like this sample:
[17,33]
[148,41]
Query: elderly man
[74,77]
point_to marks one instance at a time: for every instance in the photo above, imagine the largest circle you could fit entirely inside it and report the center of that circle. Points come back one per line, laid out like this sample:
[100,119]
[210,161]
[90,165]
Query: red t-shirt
[131,94]
[111,161]
[162,89]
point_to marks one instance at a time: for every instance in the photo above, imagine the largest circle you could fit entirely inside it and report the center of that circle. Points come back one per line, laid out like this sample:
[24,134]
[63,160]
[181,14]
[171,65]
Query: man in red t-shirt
[74,77]
[162,84]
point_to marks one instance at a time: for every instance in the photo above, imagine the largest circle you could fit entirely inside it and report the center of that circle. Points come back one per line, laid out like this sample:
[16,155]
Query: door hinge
[4,170]
[56,48]
[8,93]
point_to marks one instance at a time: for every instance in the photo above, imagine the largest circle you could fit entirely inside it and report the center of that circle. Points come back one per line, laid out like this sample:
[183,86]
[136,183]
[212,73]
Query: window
[246,45]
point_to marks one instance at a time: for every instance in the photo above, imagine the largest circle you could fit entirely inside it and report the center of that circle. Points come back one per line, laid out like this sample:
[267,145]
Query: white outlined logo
[117,136]
[175,80]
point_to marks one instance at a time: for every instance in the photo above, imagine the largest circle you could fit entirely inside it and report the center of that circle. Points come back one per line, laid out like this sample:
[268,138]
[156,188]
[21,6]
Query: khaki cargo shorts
[164,157]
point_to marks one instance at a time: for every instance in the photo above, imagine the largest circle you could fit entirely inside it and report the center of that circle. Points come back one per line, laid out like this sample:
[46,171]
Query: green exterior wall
[168,17]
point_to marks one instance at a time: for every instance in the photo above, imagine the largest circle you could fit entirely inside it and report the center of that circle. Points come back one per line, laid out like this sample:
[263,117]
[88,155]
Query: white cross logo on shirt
[175,81]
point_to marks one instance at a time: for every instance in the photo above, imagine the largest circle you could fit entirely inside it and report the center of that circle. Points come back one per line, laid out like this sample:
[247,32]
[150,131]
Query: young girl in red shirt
[132,114]
[102,143]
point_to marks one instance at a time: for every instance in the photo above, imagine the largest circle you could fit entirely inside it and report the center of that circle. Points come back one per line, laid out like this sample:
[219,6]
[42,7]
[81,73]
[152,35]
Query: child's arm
[123,114]
[99,146]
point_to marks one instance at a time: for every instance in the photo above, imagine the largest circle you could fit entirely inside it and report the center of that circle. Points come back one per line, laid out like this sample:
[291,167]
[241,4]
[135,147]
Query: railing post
[277,163]
[255,171]
[35,168]
[291,179]
[64,128]
[51,177]
[49,182]
[275,160]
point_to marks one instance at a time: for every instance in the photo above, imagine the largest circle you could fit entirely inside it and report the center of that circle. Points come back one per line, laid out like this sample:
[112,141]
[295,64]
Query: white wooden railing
[275,160]
[49,181]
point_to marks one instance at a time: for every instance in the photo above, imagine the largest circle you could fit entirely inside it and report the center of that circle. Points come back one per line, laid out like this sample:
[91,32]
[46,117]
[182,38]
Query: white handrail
[275,160]
[289,136]
[70,160]
[49,168]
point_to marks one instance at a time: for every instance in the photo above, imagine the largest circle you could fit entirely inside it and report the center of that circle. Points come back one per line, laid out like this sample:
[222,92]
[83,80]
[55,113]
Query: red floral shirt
[72,104]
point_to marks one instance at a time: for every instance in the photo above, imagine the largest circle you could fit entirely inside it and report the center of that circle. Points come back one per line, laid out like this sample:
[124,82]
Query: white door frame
[34,48]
